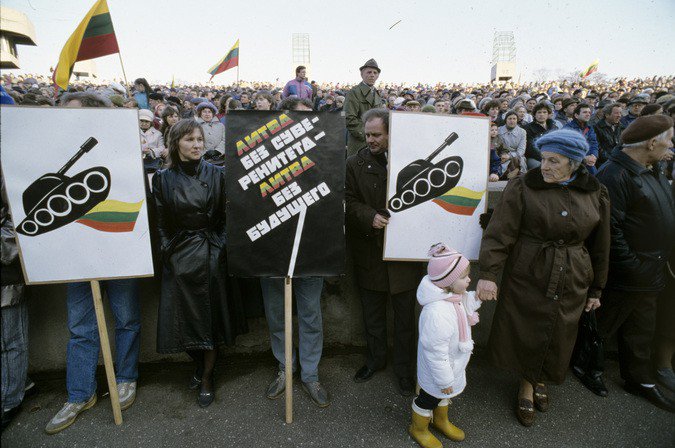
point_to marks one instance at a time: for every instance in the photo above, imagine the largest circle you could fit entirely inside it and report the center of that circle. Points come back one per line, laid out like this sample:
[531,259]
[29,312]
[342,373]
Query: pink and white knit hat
[446,265]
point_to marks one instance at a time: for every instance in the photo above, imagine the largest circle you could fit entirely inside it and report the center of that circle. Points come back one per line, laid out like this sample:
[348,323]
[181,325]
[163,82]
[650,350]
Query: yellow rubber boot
[419,431]
[440,422]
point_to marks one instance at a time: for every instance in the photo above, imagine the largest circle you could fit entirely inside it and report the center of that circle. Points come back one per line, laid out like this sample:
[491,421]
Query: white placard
[439,199]
[84,221]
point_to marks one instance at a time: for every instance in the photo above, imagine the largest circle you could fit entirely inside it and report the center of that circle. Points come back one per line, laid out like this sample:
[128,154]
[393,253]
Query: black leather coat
[642,224]
[198,309]
[608,139]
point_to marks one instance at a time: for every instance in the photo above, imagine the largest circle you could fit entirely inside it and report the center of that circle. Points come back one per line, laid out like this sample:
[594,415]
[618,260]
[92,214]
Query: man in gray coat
[360,99]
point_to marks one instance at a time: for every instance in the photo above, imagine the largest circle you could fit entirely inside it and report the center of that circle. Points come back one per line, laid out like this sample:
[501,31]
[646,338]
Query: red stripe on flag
[457,209]
[108,226]
[95,47]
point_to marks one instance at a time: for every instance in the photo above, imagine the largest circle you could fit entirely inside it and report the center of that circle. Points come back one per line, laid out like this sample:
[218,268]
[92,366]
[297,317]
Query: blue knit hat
[566,142]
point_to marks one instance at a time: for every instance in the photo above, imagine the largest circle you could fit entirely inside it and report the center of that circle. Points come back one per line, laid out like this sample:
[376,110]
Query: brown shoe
[525,411]
[541,397]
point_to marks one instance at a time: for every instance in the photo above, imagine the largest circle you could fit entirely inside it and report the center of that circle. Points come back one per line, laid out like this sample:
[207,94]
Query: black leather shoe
[206,395]
[652,394]
[406,386]
[364,374]
[592,380]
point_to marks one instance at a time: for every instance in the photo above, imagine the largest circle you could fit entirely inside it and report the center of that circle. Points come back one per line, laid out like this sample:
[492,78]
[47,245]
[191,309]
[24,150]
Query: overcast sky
[447,41]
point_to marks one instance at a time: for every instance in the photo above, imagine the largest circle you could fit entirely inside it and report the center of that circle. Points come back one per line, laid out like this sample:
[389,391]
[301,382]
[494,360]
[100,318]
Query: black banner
[285,193]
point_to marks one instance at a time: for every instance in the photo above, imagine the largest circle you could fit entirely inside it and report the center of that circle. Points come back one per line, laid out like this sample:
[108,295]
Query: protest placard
[438,170]
[285,193]
[75,187]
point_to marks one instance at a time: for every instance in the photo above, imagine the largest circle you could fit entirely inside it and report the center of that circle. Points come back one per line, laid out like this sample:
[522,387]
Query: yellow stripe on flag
[465,193]
[69,53]
[112,205]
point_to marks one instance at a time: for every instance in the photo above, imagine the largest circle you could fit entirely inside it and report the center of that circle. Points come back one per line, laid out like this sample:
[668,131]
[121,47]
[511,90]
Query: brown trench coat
[552,244]
[365,193]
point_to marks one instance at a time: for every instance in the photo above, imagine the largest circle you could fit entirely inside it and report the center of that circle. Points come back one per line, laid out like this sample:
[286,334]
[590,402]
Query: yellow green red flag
[591,69]
[460,200]
[93,38]
[112,216]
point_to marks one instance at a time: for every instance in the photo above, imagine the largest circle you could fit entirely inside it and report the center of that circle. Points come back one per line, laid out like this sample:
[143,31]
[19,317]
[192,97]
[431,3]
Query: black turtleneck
[189,167]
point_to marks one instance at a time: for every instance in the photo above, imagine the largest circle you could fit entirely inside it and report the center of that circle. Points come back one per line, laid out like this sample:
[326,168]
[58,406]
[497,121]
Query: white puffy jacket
[441,362]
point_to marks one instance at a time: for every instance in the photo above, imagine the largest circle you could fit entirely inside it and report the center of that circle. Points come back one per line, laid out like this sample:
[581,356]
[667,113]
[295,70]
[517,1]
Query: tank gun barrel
[449,140]
[85,148]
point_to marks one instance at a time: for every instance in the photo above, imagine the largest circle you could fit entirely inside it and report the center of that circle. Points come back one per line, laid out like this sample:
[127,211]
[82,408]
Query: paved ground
[361,415]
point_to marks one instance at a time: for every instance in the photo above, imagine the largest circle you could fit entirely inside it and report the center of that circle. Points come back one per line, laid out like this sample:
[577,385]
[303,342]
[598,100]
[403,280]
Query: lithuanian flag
[460,200]
[230,60]
[591,69]
[93,38]
[112,216]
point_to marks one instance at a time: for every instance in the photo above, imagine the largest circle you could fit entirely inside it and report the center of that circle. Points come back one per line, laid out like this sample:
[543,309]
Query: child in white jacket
[445,343]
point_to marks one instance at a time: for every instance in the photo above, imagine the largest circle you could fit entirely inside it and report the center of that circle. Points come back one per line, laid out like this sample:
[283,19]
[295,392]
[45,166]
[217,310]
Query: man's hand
[494,177]
[486,290]
[590,160]
[379,221]
[592,304]
[447,390]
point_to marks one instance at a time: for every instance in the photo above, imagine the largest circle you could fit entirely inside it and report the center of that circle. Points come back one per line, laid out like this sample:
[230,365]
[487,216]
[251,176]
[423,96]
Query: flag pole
[119,54]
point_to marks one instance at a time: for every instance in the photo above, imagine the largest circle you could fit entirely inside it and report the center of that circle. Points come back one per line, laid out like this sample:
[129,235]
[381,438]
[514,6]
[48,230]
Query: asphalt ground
[371,414]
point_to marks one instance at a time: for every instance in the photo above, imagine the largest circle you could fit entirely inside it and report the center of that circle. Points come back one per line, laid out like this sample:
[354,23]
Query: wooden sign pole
[288,349]
[105,348]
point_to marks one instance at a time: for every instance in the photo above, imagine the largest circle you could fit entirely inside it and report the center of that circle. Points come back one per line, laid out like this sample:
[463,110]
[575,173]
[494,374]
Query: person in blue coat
[582,114]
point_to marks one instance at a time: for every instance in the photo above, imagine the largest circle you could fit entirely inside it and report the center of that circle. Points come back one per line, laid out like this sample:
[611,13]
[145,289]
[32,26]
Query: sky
[436,40]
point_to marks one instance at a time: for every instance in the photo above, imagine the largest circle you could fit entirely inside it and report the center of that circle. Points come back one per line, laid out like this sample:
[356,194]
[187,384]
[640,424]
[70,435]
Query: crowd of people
[584,227]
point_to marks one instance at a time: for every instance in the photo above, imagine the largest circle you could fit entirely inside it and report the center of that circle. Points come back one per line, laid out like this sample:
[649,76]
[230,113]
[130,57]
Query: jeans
[14,354]
[307,292]
[84,344]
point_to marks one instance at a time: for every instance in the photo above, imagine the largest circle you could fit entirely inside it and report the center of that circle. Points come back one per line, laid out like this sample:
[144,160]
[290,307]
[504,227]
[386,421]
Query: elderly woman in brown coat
[549,237]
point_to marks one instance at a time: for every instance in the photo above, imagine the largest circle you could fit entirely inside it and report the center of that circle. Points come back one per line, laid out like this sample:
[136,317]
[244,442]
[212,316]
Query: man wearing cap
[378,280]
[642,238]
[360,99]
[564,115]
[635,106]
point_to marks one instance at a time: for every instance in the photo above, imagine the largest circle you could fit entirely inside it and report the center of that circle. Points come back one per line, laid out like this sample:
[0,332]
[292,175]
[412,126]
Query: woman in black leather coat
[198,310]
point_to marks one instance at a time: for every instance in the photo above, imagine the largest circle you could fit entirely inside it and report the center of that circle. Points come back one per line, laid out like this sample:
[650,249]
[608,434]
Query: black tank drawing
[422,180]
[54,200]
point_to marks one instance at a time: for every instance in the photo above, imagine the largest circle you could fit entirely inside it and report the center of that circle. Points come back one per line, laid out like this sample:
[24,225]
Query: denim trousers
[84,344]
[14,354]
[307,293]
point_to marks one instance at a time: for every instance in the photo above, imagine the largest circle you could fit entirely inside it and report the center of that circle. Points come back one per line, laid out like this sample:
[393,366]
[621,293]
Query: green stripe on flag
[112,216]
[462,201]
[99,25]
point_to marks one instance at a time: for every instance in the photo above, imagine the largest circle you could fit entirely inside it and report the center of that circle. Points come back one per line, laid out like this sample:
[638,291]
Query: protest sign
[285,193]
[438,170]
[75,187]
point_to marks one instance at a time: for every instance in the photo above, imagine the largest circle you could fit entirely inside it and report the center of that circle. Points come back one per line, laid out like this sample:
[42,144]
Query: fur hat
[206,105]
[145,114]
[445,265]
[566,142]
[644,128]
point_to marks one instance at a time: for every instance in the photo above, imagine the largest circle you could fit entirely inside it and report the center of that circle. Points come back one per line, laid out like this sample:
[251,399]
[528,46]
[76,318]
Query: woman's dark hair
[540,106]
[178,131]
[144,83]
[222,104]
[491,104]
[164,129]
